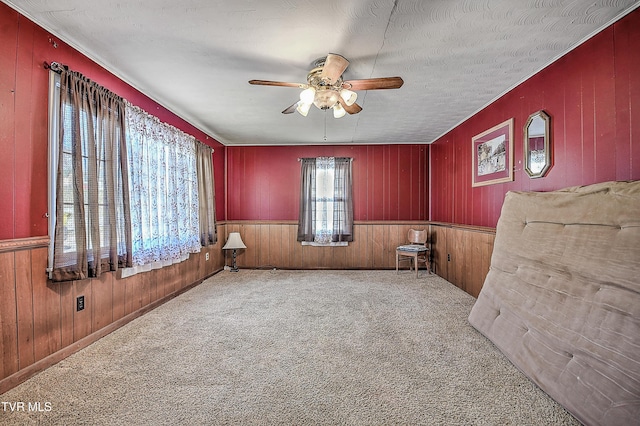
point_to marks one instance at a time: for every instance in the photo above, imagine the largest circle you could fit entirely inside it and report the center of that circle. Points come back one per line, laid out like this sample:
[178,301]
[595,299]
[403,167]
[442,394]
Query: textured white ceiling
[196,56]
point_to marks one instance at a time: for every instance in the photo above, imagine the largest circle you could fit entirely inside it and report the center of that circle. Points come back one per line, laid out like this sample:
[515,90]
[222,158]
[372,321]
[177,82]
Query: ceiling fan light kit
[308,95]
[348,96]
[326,98]
[303,108]
[338,111]
[326,88]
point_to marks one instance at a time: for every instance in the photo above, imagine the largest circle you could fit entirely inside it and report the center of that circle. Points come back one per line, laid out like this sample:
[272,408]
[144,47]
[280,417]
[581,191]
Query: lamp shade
[234,242]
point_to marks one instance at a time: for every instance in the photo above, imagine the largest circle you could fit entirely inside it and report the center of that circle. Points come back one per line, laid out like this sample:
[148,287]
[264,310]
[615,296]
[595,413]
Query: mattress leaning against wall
[562,297]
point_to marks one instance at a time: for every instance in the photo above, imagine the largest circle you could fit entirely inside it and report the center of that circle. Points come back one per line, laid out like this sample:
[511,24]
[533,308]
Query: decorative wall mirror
[537,144]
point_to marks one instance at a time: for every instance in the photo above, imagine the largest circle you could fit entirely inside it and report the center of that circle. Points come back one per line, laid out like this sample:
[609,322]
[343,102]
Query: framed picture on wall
[492,155]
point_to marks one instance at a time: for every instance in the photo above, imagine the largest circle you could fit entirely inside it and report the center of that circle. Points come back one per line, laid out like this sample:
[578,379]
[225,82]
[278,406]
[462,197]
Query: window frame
[52,163]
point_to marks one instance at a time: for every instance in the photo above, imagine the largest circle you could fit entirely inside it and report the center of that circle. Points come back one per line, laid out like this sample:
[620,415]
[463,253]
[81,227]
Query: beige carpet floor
[293,348]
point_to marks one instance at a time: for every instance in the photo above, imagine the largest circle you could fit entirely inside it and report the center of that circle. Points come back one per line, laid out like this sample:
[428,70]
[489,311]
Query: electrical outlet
[206,256]
[80,303]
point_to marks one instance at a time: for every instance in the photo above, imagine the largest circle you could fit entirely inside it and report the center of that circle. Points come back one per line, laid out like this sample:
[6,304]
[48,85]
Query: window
[324,199]
[164,191]
[326,202]
[88,201]
[124,188]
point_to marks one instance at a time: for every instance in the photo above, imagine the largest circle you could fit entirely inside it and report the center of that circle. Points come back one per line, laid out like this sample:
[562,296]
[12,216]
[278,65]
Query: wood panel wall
[39,322]
[273,244]
[462,254]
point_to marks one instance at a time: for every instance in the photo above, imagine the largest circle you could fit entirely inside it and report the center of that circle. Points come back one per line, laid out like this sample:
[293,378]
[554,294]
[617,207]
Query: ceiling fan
[326,89]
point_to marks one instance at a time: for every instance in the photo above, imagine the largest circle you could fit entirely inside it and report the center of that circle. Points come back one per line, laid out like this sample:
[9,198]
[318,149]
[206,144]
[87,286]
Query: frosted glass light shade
[326,98]
[234,242]
[338,111]
[307,95]
[303,108]
[348,96]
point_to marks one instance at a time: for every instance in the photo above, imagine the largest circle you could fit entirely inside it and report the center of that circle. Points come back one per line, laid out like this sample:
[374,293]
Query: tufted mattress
[562,297]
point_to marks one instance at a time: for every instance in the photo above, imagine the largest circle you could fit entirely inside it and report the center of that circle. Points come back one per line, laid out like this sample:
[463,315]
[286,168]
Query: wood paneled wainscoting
[462,254]
[39,320]
[273,244]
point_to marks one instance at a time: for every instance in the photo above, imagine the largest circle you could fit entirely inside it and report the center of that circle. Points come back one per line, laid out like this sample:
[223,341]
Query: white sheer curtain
[324,199]
[164,191]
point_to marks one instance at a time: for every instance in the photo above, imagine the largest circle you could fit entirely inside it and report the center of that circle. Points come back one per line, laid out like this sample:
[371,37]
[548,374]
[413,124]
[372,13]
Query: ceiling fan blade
[374,83]
[291,109]
[277,83]
[333,68]
[351,109]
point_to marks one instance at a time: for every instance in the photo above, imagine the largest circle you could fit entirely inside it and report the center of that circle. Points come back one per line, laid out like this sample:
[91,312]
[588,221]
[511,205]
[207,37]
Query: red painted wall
[390,181]
[593,97]
[24,47]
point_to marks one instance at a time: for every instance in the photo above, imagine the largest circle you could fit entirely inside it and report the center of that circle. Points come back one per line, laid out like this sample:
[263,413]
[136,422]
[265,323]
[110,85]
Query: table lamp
[234,242]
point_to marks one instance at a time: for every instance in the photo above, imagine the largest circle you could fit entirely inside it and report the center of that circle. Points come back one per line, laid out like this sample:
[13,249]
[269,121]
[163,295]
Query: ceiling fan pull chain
[325,124]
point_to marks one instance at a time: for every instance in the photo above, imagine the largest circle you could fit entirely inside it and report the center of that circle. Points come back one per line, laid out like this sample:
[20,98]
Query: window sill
[336,244]
[129,272]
